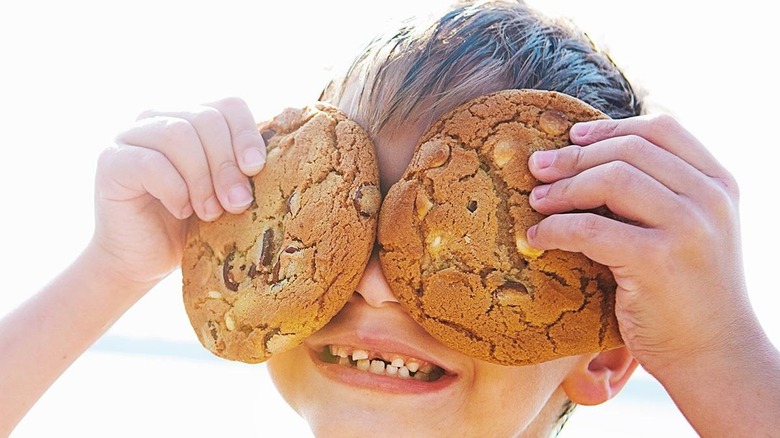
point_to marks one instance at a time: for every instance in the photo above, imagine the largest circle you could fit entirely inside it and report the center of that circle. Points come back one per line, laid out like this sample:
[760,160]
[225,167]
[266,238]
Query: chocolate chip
[275,274]
[227,272]
[266,253]
[515,287]
[472,207]
[267,135]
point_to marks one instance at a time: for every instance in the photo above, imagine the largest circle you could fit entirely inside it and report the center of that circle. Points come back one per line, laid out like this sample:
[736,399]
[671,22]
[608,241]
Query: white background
[73,74]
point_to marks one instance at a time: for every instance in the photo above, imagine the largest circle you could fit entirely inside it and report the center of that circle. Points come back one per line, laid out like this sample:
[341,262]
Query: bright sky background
[75,73]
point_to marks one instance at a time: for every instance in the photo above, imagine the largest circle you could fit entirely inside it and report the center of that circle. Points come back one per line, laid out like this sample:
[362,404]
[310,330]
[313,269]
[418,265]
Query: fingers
[127,173]
[248,145]
[624,189]
[661,130]
[593,235]
[213,147]
[648,170]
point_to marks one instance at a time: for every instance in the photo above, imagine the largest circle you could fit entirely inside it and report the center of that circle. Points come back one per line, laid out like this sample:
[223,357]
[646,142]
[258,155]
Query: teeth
[395,365]
[359,354]
[377,367]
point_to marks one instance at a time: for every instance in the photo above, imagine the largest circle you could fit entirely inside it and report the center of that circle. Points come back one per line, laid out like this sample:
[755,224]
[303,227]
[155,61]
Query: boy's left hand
[677,259]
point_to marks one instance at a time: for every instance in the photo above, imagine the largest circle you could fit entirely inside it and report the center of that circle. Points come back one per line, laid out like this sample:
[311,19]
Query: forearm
[41,338]
[735,394]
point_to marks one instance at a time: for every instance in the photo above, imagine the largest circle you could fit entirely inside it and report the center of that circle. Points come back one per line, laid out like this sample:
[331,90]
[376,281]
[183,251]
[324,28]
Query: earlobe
[599,377]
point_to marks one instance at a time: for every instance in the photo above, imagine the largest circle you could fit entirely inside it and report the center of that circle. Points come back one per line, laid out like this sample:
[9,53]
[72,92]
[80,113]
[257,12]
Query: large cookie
[258,283]
[452,235]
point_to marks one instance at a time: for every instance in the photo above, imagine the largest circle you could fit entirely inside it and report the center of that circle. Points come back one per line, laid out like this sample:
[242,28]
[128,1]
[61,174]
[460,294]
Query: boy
[681,202]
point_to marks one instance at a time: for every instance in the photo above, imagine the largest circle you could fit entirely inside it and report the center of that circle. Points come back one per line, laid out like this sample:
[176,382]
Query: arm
[157,175]
[681,301]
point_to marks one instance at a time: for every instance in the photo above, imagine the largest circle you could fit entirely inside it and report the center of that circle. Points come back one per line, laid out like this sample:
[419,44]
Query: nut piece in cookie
[453,237]
[260,282]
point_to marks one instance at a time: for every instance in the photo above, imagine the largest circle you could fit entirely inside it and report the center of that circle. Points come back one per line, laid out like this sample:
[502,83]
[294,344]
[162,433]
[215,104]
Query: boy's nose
[373,287]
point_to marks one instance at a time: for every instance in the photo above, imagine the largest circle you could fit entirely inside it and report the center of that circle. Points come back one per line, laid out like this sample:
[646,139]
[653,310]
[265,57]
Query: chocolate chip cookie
[259,282]
[452,233]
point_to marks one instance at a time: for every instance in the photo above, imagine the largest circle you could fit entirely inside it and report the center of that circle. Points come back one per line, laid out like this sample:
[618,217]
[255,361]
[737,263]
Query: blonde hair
[424,69]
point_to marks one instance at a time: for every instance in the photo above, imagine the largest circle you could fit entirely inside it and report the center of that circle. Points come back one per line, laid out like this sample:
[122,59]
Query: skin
[534,393]
[714,358]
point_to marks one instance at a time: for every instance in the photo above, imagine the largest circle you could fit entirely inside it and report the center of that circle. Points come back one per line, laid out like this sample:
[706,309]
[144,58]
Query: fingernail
[212,208]
[540,192]
[531,234]
[185,212]
[580,129]
[253,158]
[543,159]
[239,196]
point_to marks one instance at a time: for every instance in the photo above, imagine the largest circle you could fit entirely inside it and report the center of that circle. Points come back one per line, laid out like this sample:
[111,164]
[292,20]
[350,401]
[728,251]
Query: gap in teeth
[390,364]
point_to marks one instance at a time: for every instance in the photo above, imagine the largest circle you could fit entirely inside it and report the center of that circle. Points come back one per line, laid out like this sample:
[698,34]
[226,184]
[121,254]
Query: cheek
[287,373]
[531,393]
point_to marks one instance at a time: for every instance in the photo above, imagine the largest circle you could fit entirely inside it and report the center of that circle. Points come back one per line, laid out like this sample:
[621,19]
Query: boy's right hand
[163,168]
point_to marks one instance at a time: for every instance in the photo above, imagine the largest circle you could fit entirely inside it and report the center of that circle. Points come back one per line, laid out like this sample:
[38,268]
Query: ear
[599,377]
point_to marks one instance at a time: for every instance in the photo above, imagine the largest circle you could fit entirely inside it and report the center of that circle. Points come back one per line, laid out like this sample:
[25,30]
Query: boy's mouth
[386,364]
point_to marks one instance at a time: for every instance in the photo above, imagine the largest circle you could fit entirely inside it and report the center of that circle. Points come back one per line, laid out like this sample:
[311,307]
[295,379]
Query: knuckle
[232,102]
[604,129]
[207,116]
[575,158]
[587,226]
[620,173]
[177,131]
[664,122]
[635,146]
[730,185]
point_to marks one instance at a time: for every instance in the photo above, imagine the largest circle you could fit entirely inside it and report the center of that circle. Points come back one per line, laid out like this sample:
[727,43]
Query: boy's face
[472,397]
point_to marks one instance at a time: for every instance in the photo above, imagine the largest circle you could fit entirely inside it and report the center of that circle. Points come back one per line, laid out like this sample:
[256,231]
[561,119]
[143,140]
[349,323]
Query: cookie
[258,283]
[452,235]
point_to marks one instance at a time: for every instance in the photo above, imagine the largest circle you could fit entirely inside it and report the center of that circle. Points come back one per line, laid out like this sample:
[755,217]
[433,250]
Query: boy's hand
[677,260]
[163,168]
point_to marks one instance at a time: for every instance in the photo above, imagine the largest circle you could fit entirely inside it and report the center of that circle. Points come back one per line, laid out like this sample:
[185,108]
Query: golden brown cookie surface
[259,282]
[452,235]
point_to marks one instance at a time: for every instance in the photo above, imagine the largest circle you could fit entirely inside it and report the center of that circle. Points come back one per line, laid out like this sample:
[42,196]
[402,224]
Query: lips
[382,349]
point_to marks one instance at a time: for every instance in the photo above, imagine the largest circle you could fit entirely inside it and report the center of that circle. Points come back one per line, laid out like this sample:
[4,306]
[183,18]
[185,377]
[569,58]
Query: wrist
[112,271]
[716,388]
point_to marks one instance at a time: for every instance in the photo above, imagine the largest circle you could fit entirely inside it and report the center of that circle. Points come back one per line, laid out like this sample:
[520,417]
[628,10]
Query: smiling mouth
[385,364]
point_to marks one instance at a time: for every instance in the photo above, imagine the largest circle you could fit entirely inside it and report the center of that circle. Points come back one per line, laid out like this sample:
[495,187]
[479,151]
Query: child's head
[395,89]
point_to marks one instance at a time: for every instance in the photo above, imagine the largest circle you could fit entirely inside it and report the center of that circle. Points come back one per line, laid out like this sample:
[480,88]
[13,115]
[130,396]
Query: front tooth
[359,354]
[398,362]
[363,364]
[391,370]
[377,367]
[342,352]
[413,365]
[403,372]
